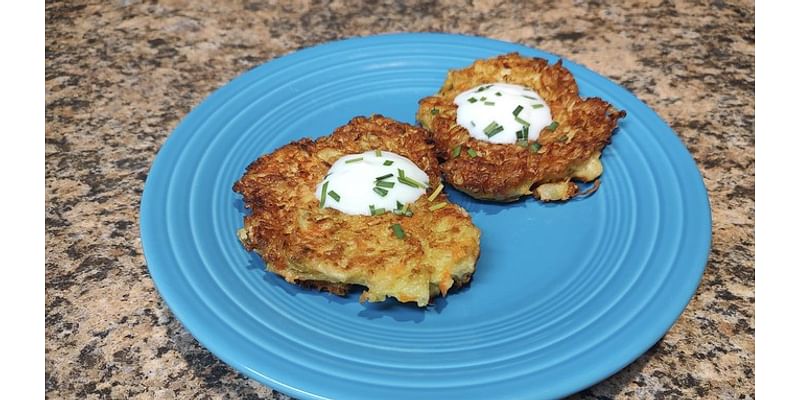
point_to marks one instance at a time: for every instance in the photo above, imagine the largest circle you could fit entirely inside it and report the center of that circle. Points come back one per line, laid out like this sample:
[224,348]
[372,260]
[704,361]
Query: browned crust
[296,238]
[504,172]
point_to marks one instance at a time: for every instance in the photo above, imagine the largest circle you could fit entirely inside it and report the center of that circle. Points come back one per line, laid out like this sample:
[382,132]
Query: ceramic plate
[564,294]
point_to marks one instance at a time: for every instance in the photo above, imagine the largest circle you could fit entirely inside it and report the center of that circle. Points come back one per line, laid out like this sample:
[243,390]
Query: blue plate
[564,294]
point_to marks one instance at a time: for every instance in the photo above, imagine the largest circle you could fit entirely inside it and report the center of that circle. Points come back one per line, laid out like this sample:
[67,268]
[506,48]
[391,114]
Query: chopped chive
[472,99]
[380,191]
[352,160]
[388,162]
[525,132]
[519,134]
[489,103]
[472,153]
[434,111]
[436,192]
[334,195]
[522,143]
[482,88]
[522,121]
[437,206]
[375,211]
[492,129]
[382,177]
[529,97]
[410,182]
[535,146]
[483,98]
[552,126]
[378,153]
[498,94]
[517,110]
[535,106]
[472,123]
[456,151]
[384,184]
[402,210]
[324,193]
[402,178]
[398,231]
[562,138]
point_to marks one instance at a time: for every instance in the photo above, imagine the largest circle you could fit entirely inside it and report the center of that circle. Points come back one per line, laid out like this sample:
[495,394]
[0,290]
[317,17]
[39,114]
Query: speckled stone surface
[121,74]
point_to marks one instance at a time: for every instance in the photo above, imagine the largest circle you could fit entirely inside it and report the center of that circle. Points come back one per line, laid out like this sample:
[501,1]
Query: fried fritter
[505,172]
[326,249]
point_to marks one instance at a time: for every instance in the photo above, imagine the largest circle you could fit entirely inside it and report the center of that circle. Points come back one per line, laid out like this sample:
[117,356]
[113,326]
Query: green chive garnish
[562,138]
[436,192]
[324,194]
[378,153]
[498,94]
[522,121]
[493,129]
[402,178]
[552,126]
[384,184]
[535,146]
[525,132]
[519,134]
[535,106]
[522,142]
[380,191]
[456,151]
[489,103]
[399,205]
[472,99]
[517,110]
[434,111]
[410,182]
[472,123]
[388,162]
[334,195]
[398,231]
[472,153]
[482,88]
[384,177]
[376,211]
[352,160]
[437,206]
[529,97]
[483,98]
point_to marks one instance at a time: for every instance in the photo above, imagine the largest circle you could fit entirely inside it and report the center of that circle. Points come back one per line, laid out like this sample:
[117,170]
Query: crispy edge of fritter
[292,234]
[505,172]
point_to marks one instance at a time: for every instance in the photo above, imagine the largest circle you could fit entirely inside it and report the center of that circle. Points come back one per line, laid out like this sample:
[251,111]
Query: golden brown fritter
[326,249]
[505,172]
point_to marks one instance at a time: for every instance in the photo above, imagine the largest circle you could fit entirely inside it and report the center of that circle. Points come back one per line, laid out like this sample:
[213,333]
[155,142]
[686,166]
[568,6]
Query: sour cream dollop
[371,183]
[502,113]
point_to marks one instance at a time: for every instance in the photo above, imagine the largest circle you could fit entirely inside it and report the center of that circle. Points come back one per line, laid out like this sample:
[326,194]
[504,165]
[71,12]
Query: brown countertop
[120,75]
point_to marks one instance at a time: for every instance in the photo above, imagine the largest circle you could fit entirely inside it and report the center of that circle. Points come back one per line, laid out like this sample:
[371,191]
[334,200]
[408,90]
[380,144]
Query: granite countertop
[121,74]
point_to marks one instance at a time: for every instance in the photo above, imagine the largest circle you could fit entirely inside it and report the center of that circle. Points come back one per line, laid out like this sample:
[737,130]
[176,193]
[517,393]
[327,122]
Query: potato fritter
[329,250]
[505,172]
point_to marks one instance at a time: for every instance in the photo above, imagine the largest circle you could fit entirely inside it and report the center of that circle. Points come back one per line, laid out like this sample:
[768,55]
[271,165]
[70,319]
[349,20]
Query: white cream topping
[502,113]
[352,185]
